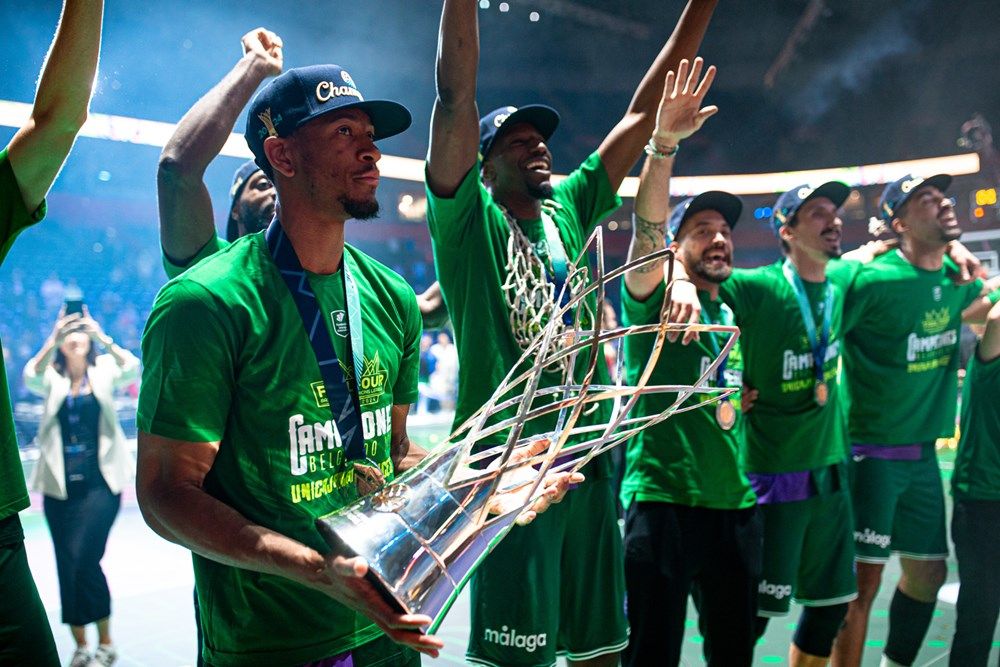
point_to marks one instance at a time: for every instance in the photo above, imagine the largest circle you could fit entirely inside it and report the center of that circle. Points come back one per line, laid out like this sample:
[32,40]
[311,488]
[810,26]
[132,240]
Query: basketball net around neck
[530,295]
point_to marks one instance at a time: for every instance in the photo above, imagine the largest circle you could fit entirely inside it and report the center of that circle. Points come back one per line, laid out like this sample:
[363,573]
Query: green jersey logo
[373,381]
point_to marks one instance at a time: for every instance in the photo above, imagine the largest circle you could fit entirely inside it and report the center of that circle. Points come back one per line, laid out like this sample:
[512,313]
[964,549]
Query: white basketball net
[529,294]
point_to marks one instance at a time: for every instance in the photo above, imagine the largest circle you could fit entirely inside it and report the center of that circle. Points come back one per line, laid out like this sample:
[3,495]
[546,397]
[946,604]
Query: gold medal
[822,393]
[725,414]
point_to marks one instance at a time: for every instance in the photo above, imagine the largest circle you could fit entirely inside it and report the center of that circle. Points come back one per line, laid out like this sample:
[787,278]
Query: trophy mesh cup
[424,533]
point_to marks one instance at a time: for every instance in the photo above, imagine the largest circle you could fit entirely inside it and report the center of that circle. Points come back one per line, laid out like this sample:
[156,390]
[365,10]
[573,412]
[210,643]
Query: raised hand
[266,46]
[680,114]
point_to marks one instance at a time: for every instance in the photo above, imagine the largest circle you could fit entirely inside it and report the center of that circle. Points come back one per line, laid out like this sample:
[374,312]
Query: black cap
[543,118]
[790,202]
[899,191]
[728,205]
[299,95]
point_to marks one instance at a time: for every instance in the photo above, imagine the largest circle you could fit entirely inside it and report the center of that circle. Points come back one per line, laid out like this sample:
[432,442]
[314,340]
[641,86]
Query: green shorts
[898,507]
[25,637]
[554,587]
[808,554]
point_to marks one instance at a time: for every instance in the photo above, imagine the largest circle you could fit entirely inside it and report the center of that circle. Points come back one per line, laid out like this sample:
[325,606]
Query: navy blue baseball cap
[302,94]
[790,202]
[899,191]
[728,205]
[544,119]
[240,178]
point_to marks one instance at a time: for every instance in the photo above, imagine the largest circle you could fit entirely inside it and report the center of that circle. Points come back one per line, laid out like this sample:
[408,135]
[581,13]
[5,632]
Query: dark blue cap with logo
[543,118]
[728,205]
[240,178]
[302,94]
[899,191]
[790,202]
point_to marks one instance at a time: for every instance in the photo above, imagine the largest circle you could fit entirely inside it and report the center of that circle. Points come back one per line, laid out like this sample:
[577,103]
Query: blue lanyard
[725,319]
[343,403]
[819,343]
[557,256]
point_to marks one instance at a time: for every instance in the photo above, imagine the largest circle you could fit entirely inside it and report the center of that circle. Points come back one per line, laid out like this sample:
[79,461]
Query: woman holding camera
[83,465]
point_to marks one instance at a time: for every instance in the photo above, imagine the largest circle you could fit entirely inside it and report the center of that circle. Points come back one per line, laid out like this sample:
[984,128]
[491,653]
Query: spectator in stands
[444,377]
[83,465]
[425,399]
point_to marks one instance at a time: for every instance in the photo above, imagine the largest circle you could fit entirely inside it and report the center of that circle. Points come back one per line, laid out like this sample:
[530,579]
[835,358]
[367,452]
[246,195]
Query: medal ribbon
[725,319]
[343,403]
[557,256]
[817,343]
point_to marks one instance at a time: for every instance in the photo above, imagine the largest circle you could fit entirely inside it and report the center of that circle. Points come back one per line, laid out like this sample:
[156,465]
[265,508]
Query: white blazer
[113,456]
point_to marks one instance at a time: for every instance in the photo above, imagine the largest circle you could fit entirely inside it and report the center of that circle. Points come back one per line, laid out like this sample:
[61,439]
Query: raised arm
[679,115]
[38,149]
[186,221]
[169,487]
[977,311]
[623,145]
[454,141]
[989,345]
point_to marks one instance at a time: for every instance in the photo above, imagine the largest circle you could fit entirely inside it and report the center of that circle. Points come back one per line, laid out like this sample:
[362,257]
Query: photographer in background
[83,465]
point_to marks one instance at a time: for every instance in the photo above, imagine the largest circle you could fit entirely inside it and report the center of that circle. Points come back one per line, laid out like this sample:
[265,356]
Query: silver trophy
[424,533]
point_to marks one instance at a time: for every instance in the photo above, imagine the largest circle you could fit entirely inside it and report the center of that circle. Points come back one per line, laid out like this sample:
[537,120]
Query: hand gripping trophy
[424,533]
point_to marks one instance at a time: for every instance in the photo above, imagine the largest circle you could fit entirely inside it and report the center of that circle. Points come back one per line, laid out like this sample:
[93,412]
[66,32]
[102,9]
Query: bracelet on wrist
[657,152]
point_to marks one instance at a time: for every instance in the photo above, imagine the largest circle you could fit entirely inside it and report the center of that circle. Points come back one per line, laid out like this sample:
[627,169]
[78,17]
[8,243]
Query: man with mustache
[503,234]
[902,372]
[187,227]
[254,421]
[691,521]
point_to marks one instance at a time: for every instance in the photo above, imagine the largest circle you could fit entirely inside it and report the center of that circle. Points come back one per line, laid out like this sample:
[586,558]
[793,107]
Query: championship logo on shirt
[936,321]
[373,381]
[339,319]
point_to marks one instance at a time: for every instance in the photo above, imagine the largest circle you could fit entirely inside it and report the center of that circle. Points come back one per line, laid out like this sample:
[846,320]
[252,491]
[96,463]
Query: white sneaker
[104,656]
[81,657]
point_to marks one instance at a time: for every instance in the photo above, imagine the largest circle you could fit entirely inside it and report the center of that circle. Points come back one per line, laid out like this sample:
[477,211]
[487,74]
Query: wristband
[653,151]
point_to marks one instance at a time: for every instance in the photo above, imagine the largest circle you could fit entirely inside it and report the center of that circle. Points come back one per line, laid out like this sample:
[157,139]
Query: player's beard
[257,219]
[359,209]
[949,234]
[712,274]
[539,191]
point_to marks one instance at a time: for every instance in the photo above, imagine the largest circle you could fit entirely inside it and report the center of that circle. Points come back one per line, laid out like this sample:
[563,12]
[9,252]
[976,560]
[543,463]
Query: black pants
[25,637]
[975,526]
[80,526]
[674,550]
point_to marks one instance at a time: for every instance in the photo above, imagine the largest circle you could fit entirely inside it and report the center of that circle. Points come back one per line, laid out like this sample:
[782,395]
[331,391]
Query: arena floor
[153,623]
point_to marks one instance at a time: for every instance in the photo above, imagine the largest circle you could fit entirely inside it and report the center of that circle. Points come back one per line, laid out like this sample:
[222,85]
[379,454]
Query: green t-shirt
[687,459]
[14,218]
[902,328]
[787,431]
[227,358]
[977,466]
[469,235]
[214,245]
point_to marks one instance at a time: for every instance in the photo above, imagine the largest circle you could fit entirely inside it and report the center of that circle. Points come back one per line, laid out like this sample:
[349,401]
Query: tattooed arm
[648,236]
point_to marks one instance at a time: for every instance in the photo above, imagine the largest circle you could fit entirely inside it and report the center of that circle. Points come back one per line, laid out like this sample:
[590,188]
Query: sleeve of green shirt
[14,216]
[454,220]
[737,292]
[589,191]
[405,389]
[635,312]
[843,273]
[972,292]
[189,355]
[214,245]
